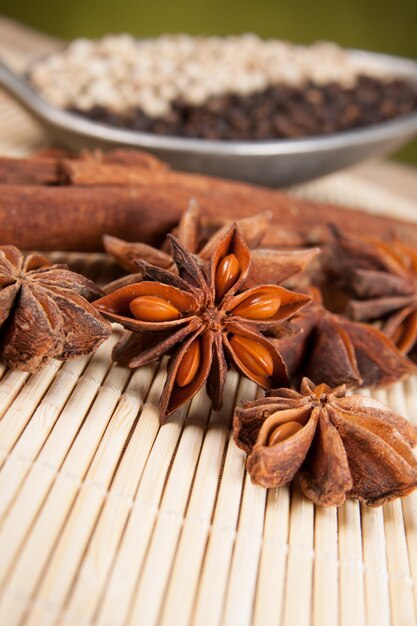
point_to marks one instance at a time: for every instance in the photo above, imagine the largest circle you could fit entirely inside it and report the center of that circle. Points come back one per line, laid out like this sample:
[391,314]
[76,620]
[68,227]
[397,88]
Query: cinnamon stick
[42,171]
[54,166]
[135,196]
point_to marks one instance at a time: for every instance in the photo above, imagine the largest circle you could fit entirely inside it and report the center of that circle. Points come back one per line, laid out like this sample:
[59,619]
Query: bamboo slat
[272,568]
[210,596]
[184,576]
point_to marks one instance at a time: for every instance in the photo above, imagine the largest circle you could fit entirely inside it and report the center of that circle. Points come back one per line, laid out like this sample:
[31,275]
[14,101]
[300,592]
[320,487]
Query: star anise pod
[204,321]
[342,446]
[44,311]
[329,348]
[381,278]
[200,235]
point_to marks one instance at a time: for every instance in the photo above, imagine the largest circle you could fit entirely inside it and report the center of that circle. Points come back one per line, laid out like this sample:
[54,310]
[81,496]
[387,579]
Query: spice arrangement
[230,88]
[91,483]
[222,292]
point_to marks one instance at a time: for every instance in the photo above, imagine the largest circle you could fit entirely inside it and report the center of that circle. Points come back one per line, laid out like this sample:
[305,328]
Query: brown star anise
[202,319]
[329,348]
[44,312]
[200,235]
[382,280]
[343,446]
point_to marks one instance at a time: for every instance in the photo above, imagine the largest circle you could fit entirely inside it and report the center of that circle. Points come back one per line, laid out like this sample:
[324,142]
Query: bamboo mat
[108,520]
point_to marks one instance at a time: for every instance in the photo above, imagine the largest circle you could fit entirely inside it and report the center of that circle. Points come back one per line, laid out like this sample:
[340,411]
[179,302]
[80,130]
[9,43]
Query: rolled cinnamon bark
[43,171]
[71,202]
[75,218]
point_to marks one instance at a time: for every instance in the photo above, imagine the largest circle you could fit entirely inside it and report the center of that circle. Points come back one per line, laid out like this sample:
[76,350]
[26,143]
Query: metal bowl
[273,162]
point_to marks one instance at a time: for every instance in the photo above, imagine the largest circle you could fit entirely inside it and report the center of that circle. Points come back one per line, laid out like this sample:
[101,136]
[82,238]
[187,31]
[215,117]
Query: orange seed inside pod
[254,356]
[153,309]
[258,306]
[227,273]
[189,365]
[283,431]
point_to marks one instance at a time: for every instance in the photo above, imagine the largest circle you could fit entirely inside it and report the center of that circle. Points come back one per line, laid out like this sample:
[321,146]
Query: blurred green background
[380,25]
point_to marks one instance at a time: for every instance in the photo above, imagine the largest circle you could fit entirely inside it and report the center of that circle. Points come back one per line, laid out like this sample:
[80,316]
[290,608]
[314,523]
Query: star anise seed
[342,446]
[153,309]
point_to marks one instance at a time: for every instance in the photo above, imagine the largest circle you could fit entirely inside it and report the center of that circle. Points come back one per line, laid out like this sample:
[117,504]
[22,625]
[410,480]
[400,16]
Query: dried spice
[382,280]
[200,235]
[135,196]
[45,312]
[343,446]
[196,233]
[279,111]
[237,88]
[329,348]
[204,321]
